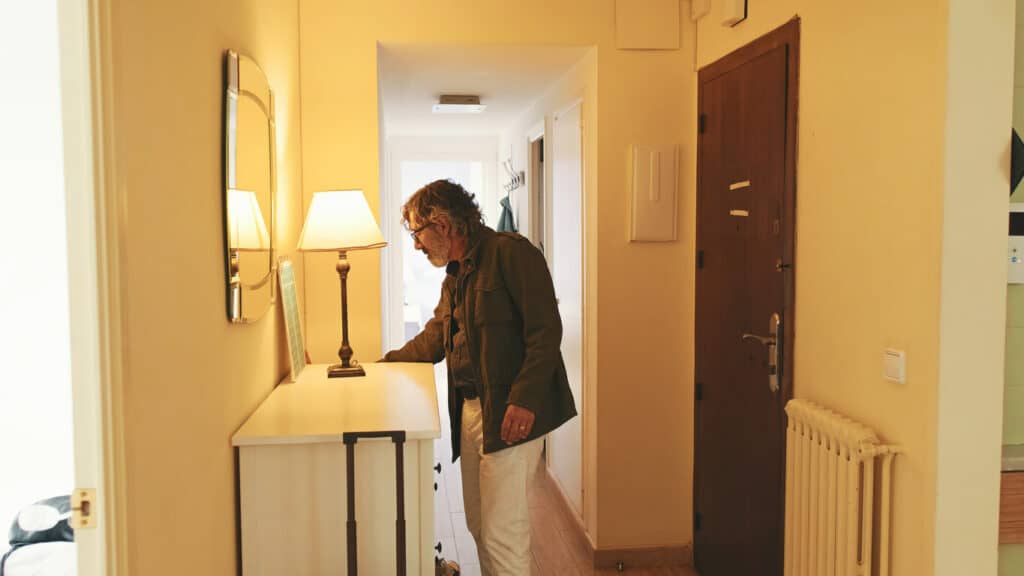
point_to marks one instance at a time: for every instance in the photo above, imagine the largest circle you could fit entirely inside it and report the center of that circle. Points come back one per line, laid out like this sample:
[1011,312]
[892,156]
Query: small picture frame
[292,317]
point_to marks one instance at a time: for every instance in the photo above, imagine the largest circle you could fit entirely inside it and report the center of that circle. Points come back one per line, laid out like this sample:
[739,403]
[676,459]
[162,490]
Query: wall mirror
[249,189]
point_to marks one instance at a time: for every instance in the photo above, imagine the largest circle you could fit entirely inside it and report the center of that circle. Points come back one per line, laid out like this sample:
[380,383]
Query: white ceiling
[508,80]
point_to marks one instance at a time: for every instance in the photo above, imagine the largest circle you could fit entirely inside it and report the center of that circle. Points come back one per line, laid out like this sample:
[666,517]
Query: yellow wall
[644,426]
[870,232]
[191,377]
[870,238]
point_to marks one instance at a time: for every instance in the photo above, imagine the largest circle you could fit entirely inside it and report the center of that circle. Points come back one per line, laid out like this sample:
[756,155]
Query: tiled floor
[553,554]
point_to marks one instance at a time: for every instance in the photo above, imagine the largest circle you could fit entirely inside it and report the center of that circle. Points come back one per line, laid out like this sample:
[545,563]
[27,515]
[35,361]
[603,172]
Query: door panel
[744,231]
[565,445]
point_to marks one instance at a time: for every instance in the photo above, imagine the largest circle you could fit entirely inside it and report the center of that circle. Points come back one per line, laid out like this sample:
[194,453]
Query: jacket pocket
[492,304]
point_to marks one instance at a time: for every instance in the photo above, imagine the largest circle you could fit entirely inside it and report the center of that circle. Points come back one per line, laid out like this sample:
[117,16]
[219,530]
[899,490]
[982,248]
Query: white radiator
[830,500]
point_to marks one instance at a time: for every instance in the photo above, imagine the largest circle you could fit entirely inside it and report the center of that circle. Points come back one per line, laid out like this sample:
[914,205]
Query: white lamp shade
[245,221]
[340,220]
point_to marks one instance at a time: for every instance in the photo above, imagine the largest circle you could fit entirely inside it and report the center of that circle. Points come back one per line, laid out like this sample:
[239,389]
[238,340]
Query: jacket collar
[469,260]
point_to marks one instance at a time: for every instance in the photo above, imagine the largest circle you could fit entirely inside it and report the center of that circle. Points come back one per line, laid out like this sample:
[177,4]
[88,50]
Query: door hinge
[702,123]
[696,521]
[700,391]
[83,508]
[700,259]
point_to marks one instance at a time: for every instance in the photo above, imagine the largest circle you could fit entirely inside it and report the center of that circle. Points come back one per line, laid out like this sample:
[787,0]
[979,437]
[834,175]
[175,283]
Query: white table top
[392,396]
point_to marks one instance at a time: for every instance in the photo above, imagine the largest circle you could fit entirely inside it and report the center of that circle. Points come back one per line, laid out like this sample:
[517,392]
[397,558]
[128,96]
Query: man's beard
[438,255]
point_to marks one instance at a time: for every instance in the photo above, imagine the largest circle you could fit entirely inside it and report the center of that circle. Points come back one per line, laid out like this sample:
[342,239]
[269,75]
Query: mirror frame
[257,89]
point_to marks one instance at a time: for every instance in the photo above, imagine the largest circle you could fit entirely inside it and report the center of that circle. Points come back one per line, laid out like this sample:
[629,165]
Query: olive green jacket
[514,336]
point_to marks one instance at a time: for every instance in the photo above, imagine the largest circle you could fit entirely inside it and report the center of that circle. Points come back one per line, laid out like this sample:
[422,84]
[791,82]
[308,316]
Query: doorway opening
[35,399]
[502,156]
[421,281]
[57,433]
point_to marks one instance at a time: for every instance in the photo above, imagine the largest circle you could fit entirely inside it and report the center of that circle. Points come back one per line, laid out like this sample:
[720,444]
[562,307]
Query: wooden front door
[744,304]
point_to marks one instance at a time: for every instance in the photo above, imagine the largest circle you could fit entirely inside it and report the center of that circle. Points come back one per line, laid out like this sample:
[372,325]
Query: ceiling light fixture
[459,104]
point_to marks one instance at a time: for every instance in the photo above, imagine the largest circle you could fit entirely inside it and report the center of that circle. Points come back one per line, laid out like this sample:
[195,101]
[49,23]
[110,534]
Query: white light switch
[895,366]
[653,206]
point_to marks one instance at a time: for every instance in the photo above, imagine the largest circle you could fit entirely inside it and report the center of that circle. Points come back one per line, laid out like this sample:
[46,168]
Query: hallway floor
[553,552]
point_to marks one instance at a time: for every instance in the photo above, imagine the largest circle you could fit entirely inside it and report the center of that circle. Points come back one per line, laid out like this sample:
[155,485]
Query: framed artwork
[292,317]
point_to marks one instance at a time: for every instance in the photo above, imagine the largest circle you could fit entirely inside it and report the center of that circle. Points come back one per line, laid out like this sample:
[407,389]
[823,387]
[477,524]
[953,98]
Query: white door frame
[93,234]
[550,249]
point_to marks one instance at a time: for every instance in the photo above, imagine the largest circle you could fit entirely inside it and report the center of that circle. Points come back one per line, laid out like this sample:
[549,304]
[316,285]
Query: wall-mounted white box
[653,192]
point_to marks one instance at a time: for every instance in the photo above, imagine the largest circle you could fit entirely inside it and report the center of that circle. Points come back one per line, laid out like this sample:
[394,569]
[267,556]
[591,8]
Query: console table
[292,472]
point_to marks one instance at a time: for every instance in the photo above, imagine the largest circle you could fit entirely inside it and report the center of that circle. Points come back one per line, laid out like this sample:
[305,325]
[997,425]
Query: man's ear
[444,226]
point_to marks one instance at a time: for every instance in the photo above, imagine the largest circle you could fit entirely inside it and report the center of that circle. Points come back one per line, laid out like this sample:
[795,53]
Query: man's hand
[517,424]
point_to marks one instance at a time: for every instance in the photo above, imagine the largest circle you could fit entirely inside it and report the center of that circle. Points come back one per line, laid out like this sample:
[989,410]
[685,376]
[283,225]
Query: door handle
[766,340]
[772,343]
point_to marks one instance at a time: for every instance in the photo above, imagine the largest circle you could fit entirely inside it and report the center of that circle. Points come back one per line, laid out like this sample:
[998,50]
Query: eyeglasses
[415,233]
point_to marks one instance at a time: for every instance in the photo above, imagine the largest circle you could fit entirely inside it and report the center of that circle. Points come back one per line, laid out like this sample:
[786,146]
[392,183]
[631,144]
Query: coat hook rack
[515,179]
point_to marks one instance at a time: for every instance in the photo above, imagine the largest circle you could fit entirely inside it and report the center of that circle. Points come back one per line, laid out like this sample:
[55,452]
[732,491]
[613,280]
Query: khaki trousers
[494,495]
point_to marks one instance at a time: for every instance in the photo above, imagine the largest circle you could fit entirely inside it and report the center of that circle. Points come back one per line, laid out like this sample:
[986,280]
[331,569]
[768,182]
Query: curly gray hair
[448,199]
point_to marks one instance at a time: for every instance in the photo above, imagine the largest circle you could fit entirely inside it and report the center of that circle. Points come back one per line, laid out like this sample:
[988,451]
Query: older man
[498,328]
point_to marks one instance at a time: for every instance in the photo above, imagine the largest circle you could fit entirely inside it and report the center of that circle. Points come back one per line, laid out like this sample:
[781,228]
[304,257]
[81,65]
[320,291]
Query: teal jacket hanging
[506,223]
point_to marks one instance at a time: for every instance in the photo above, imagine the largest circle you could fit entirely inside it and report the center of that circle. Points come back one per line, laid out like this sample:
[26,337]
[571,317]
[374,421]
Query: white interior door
[565,256]
[51,413]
